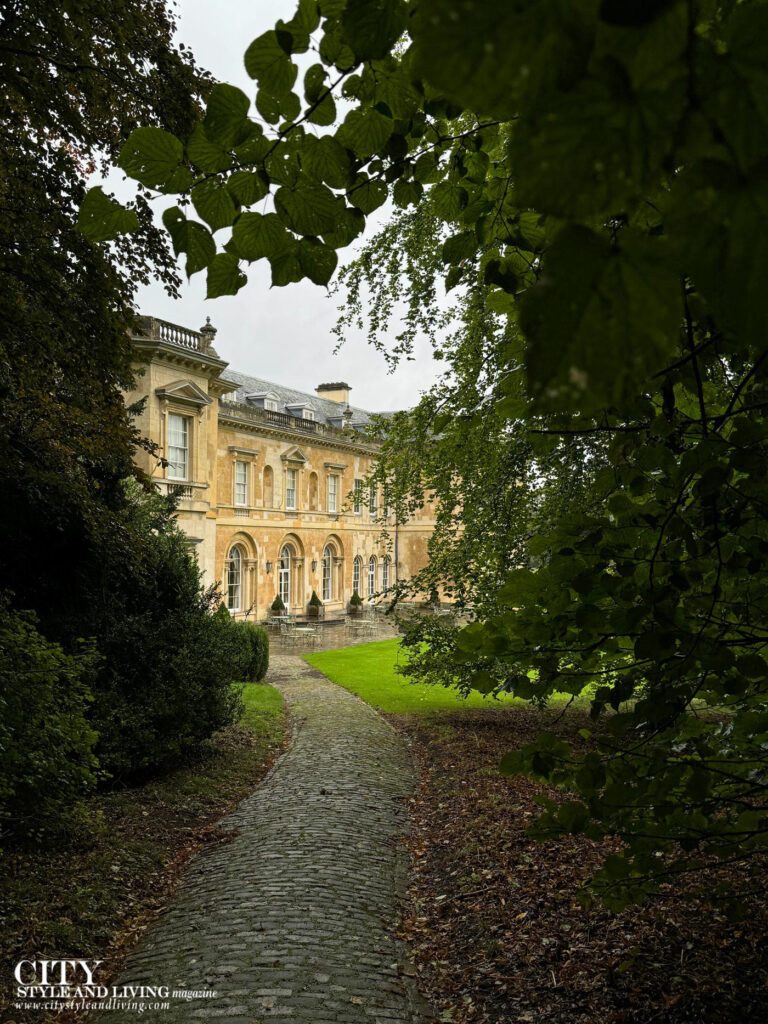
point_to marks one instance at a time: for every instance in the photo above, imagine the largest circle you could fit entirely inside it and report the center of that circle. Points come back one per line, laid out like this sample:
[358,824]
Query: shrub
[258,651]
[46,744]
[277,605]
[223,612]
[314,601]
[164,684]
[355,599]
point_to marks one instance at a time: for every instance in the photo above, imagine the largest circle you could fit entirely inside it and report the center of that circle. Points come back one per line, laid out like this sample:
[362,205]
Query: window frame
[284,575]
[288,489]
[241,483]
[385,567]
[186,448]
[357,497]
[327,573]
[333,491]
[235,581]
[357,574]
[372,576]
[373,499]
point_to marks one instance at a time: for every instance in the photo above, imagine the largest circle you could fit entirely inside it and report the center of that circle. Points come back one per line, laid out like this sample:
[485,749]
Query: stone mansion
[273,487]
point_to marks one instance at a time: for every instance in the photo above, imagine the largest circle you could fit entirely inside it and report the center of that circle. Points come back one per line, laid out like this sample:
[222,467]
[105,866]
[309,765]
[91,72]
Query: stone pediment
[184,391]
[294,455]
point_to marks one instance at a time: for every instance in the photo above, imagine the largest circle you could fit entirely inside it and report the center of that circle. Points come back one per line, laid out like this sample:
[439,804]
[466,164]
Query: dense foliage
[165,679]
[600,168]
[46,743]
[84,552]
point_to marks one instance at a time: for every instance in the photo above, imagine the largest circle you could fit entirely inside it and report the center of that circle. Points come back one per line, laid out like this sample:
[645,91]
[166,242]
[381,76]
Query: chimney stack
[338,392]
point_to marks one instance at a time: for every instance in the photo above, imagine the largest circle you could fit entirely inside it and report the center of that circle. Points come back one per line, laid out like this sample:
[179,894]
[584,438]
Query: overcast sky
[281,334]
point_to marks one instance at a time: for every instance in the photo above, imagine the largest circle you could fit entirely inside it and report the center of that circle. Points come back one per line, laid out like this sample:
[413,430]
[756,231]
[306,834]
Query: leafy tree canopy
[591,176]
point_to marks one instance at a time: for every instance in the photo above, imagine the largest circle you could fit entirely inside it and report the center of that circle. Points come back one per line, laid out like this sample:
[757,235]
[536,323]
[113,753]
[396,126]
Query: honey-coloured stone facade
[268,478]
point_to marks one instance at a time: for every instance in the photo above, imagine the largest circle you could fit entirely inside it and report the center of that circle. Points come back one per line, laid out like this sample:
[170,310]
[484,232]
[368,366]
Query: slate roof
[325,409]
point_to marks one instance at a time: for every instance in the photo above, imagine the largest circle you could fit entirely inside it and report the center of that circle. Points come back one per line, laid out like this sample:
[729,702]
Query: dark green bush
[355,599]
[164,684]
[314,601]
[258,651]
[46,743]
[277,605]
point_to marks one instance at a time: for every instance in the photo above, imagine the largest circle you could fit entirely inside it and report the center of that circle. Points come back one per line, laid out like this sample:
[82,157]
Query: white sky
[281,334]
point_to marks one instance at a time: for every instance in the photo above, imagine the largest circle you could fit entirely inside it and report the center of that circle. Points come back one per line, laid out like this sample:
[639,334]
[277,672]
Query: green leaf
[318,261]
[268,63]
[719,220]
[101,219]
[206,155]
[493,57]
[247,187]
[406,192]
[459,247]
[226,116]
[224,276]
[346,230]
[368,195]
[286,268]
[257,235]
[325,159]
[601,320]
[372,27]
[324,113]
[365,131]
[309,209]
[448,199]
[213,203]
[151,155]
[190,237]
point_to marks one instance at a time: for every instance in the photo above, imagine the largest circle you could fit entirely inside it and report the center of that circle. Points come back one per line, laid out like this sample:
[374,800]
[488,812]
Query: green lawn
[369,671]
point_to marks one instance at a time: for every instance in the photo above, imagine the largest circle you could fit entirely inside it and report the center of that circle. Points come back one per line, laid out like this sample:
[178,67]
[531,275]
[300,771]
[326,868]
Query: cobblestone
[294,918]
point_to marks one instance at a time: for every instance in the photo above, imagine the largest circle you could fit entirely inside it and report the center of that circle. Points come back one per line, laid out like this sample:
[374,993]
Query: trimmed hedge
[257,656]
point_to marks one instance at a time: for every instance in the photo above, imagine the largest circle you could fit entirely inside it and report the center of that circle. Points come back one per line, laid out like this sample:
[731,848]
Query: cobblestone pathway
[292,919]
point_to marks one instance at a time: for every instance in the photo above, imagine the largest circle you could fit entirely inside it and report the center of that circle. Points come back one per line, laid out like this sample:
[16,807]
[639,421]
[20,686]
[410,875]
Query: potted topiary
[315,608]
[356,605]
[277,607]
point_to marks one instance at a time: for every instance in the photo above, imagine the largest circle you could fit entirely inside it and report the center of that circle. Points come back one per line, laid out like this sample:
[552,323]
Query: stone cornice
[265,429]
[150,349]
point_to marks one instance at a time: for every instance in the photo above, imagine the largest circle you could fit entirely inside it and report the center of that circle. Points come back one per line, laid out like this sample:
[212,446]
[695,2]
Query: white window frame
[333,492]
[291,488]
[241,484]
[357,573]
[385,575]
[371,576]
[357,497]
[307,414]
[235,579]
[327,573]
[373,498]
[270,405]
[284,575]
[184,421]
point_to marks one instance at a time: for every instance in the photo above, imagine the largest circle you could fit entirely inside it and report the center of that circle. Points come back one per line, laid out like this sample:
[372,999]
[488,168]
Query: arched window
[285,575]
[371,576]
[385,574]
[268,493]
[235,580]
[327,573]
[357,572]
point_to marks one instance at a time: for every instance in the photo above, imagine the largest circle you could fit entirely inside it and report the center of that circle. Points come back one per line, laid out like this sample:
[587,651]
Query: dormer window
[264,400]
[301,411]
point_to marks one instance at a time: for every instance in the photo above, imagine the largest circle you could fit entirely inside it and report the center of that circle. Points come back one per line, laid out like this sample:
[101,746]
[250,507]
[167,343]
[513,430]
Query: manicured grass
[369,671]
